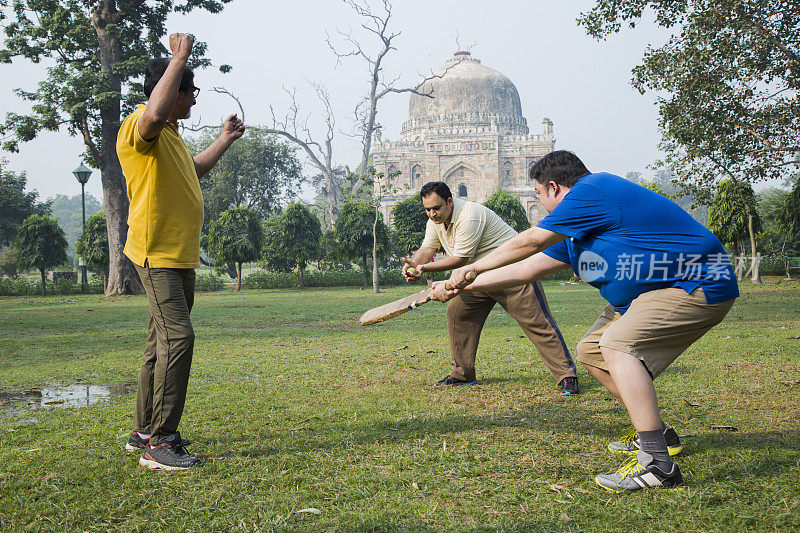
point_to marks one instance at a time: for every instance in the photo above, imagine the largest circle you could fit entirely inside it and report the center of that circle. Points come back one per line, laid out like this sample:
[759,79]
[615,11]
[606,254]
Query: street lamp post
[82,175]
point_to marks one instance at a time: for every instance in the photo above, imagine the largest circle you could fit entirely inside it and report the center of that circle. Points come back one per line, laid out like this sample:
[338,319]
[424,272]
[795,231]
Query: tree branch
[87,139]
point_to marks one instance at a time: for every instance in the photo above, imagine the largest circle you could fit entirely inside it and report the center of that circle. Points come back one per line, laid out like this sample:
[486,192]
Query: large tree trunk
[239,276]
[364,267]
[122,276]
[755,275]
[300,276]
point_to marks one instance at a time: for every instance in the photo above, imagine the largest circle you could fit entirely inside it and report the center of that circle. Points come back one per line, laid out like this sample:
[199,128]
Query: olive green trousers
[167,359]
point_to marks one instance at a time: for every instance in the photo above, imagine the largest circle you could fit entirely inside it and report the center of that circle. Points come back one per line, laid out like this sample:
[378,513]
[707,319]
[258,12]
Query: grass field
[293,406]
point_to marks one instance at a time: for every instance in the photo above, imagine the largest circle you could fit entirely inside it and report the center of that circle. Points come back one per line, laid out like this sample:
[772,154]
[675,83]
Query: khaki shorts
[658,327]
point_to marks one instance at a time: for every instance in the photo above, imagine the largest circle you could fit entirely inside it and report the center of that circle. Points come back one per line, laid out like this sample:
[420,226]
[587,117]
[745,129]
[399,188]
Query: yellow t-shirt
[474,231]
[166,203]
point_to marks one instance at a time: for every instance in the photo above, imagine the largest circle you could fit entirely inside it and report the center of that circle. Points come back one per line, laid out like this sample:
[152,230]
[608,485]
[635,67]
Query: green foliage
[67,211]
[264,279]
[654,186]
[41,243]
[208,282]
[409,220]
[301,234]
[29,287]
[775,210]
[81,84]
[330,252]
[293,239]
[236,236]
[92,245]
[728,213]
[273,257]
[9,264]
[354,231]
[257,171]
[509,208]
[15,204]
[790,215]
[730,76]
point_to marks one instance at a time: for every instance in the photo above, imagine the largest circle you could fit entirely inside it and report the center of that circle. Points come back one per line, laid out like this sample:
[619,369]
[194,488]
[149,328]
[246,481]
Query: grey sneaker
[168,455]
[136,443]
[630,443]
[638,473]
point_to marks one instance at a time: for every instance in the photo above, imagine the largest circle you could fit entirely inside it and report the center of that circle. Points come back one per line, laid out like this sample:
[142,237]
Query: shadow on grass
[550,419]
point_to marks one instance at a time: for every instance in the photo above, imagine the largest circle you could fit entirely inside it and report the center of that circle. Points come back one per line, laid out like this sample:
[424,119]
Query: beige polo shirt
[473,232]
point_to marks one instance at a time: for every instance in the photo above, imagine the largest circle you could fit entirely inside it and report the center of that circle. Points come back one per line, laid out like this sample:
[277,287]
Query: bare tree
[295,128]
[376,24]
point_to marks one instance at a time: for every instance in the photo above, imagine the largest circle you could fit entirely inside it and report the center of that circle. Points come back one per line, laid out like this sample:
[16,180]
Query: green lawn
[294,406]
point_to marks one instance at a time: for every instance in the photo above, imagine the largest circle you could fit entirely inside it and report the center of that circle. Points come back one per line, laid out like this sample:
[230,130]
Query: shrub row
[263,279]
[31,287]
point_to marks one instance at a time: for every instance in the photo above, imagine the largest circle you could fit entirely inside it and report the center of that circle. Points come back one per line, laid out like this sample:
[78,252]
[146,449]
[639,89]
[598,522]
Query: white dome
[466,95]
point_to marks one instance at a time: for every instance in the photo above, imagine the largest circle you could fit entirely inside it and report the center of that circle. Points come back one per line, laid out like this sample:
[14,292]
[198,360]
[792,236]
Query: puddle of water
[62,395]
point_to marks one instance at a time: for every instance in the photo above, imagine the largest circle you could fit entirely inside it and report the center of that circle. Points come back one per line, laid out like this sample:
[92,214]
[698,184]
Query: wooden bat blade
[393,309]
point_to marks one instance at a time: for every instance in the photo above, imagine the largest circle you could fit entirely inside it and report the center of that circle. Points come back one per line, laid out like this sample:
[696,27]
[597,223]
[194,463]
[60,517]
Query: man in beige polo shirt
[468,231]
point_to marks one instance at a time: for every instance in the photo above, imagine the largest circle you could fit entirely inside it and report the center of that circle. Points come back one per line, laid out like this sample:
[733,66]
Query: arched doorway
[463,181]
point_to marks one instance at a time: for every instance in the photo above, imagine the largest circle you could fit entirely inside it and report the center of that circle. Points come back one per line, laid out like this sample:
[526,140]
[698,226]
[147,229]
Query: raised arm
[232,129]
[165,93]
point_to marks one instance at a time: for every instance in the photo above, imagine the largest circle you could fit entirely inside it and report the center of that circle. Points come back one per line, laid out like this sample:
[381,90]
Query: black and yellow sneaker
[450,381]
[136,443]
[638,473]
[168,455]
[630,443]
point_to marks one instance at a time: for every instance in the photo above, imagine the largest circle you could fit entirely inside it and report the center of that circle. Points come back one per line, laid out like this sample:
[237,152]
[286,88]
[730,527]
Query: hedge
[31,287]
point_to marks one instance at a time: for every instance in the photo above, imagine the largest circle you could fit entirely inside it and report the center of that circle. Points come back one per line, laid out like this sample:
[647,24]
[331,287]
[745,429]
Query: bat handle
[470,276]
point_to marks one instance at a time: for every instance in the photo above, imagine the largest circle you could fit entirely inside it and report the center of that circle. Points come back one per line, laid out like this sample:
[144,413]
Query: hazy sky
[582,85]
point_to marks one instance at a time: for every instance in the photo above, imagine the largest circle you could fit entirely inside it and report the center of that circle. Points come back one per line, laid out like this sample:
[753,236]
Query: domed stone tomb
[466,128]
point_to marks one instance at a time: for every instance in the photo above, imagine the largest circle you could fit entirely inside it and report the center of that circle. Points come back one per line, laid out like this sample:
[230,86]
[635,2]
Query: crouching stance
[666,277]
[164,222]
[468,231]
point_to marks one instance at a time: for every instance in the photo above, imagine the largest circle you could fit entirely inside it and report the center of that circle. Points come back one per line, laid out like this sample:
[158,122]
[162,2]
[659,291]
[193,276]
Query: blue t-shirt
[627,240]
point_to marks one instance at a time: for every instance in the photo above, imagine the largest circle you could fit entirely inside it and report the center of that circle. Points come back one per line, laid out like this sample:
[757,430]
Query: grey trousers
[167,359]
[467,312]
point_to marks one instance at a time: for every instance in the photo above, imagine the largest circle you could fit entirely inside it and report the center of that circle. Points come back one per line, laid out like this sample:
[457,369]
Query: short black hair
[439,187]
[561,166]
[155,68]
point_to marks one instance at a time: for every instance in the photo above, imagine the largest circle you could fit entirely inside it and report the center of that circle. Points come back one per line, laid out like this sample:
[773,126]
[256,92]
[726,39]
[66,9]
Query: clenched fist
[233,127]
[181,44]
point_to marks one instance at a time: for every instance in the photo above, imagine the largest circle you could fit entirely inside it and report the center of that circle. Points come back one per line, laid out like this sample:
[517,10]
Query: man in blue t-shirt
[666,277]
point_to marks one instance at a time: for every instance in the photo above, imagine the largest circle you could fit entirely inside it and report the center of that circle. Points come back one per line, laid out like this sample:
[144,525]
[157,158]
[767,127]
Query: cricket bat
[403,305]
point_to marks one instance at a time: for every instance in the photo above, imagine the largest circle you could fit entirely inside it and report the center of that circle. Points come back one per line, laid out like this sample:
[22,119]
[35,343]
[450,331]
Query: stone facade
[471,135]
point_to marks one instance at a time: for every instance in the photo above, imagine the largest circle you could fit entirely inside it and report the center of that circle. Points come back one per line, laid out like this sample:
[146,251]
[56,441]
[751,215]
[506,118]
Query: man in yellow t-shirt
[468,231]
[164,222]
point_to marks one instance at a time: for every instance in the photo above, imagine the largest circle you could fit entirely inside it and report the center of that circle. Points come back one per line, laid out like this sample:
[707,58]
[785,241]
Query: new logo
[591,266]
